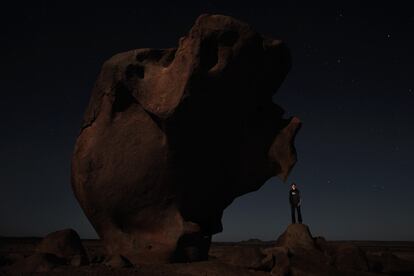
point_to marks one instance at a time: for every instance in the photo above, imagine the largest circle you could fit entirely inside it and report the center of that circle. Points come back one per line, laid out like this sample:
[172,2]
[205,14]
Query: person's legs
[299,215]
[292,209]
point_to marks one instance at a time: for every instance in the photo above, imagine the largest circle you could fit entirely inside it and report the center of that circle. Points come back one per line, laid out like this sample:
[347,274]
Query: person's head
[293,186]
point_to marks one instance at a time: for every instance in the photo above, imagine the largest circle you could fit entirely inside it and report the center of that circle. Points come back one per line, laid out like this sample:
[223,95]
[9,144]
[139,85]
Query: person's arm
[300,198]
[290,198]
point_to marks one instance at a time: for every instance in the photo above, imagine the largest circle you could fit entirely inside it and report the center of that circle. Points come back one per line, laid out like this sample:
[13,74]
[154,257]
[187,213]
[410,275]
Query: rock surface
[37,262]
[278,261]
[172,136]
[117,261]
[349,257]
[304,255]
[393,265]
[297,236]
[241,256]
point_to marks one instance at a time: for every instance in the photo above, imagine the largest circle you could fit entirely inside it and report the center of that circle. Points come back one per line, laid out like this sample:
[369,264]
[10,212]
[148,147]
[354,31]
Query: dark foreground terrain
[294,253]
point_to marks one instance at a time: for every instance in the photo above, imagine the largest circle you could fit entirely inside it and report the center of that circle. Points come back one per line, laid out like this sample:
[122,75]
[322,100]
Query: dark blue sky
[351,84]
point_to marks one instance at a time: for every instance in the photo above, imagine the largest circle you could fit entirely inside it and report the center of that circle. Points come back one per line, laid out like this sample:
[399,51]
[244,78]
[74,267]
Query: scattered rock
[78,260]
[38,262]
[241,256]
[117,261]
[64,243]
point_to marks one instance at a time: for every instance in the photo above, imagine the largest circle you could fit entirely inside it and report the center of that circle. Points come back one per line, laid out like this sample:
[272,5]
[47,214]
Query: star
[339,60]
[388,35]
[339,15]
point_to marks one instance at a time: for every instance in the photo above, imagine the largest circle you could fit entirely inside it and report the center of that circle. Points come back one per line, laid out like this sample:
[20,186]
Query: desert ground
[20,256]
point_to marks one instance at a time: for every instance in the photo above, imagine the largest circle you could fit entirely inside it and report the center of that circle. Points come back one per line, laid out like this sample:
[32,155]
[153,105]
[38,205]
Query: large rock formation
[172,136]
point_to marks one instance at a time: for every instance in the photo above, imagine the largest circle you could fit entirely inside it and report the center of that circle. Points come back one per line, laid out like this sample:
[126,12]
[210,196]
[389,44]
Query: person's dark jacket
[294,197]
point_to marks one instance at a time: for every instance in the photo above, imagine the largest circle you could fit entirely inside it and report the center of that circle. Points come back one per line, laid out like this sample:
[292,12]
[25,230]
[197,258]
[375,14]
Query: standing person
[295,200]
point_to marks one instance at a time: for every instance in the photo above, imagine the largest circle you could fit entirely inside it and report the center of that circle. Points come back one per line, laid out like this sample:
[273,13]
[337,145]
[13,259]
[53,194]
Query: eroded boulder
[64,244]
[172,136]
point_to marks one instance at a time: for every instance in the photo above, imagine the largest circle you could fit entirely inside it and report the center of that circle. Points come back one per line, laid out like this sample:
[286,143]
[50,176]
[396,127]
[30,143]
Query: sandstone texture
[172,136]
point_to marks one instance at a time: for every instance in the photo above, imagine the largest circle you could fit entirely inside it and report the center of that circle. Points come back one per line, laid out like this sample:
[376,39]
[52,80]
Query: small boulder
[117,261]
[64,244]
[78,260]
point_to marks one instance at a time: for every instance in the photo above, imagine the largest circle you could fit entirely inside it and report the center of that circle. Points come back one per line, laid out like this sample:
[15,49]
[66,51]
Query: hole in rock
[208,53]
[123,98]
[228,38]
[263,214]
[134,70]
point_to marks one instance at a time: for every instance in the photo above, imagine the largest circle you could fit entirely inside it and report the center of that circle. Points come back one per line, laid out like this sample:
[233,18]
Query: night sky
[351,84]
